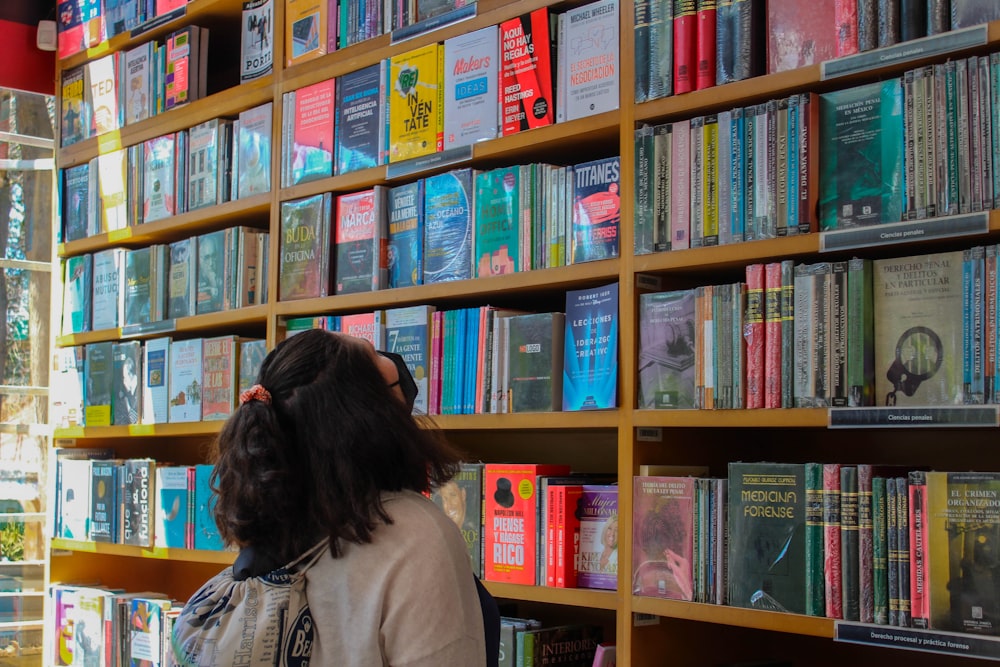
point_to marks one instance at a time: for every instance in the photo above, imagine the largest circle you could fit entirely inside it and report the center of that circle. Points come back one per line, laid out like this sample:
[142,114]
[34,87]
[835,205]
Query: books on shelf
[470,87]
[360,240]
[590,366]
[308,136]
[252,151]
[588,60]
[305,30]
[257,43]
[406,235]
[305,248]
[448,226]
[596,209]
[185,380]
[361,124]
[527,72]
[416,102]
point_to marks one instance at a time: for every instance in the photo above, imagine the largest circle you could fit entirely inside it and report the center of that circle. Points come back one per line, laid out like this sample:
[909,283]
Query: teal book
[448,227]
[104,500]
[252,353]
[667,349]
[408,333]
[596,209]
[206,533]
[406,235]
[77,289]
[590,351]
[171,506]
[861,170]
[99,379]
[767,536]
[138,293]
[815,586]
[534,361]
[498,222]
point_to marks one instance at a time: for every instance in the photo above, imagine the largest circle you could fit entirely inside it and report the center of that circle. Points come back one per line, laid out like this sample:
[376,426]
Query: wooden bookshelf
[621,439]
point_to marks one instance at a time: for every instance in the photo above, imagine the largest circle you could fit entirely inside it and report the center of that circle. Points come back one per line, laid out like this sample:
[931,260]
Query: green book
[861,170]
[498,221]
[767,536]
[535,361]
[815,588]
[850,585]
[880,559]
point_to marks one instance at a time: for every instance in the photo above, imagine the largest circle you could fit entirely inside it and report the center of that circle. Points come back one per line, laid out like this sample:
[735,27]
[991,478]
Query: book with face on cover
[461,499]
[510,522]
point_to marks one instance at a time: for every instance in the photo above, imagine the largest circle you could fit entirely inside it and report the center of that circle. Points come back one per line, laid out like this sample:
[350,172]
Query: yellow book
[305,30]
[416,105]
[710,180]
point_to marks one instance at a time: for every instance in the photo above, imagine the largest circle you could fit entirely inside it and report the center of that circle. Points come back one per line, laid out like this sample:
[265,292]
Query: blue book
[76,202]
[590,361]
[206,533]
[406,234]
[361,109]
[596,209]
[448,227]
[471,360]
[792,175]
[104,501]
[120,16]
[171,506]
[408,333]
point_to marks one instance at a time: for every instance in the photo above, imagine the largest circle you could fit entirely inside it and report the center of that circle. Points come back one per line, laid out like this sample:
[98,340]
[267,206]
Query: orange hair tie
[256,393]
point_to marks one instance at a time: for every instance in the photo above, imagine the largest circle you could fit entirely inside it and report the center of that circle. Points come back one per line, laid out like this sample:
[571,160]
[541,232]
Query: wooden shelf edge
[228,102]
[797,624]
[574,597]
[194,324]
[187,429]
[562,277]
[799,245]
[777,418]
[158,553]
[191,222]
[594,419]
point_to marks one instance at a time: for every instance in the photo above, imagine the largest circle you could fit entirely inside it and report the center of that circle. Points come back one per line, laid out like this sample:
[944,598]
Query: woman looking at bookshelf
[324,446]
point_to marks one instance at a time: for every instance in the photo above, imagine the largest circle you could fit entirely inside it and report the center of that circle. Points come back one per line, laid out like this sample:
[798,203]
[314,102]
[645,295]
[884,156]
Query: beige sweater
[408,599]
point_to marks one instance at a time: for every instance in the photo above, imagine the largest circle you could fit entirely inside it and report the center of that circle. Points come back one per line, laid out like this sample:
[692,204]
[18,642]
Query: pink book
[753,332]
[680,186]
[846,22]
[437,328]
[832,572]
[772,335]
[663,537]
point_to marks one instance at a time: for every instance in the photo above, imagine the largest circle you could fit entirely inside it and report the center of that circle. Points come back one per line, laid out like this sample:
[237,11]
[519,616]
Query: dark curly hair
[314,462]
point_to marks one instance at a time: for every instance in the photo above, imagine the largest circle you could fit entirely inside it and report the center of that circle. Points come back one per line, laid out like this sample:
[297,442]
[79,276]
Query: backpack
[261,620]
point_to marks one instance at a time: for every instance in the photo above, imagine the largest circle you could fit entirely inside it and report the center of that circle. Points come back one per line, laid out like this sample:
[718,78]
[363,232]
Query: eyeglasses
[406,383]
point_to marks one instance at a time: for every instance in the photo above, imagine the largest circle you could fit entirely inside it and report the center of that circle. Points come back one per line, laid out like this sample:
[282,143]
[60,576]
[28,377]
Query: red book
[754,333]
[511,520]
[773,342]
[434,390]
[808,162]
[846,21]
[799,34]
[526,72]
[685,37]
[559,549]
[920,602]
[831,540]
[705,44]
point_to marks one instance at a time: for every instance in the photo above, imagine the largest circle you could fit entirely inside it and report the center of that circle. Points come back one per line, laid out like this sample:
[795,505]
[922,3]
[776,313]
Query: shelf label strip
[156,22]
[934,641]
[904,52]
[146,328]
[433,23]
[427,162]
[973,416]
[908,231]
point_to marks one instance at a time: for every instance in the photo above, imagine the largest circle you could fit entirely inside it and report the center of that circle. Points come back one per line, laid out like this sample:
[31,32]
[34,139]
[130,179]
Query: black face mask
[406,382]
